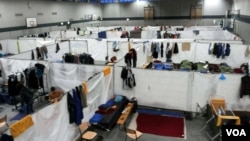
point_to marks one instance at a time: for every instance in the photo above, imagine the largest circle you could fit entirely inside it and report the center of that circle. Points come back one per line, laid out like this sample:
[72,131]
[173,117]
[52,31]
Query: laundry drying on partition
[128,78]
[220,50]
[76,101]
[245,86]
[41,53]
[83,58]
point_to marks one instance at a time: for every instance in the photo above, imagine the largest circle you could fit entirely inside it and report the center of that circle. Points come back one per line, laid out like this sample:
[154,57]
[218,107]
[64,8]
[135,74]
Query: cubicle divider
[181,90]
[96,80]
[198,51]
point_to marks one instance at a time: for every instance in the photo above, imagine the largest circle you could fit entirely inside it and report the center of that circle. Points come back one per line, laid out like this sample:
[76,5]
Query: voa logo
[236,132]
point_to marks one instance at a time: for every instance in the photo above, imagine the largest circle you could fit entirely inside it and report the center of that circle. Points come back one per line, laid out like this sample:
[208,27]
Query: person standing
[26,98]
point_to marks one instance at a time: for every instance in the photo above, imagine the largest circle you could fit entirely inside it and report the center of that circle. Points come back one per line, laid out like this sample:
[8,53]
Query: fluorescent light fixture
[212,2]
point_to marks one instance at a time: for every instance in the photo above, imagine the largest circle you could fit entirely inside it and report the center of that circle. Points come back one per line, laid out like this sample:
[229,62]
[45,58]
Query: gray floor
[193,132]
[192,129]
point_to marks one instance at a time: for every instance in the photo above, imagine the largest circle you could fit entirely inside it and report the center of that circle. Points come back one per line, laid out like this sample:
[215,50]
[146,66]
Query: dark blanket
[111,114]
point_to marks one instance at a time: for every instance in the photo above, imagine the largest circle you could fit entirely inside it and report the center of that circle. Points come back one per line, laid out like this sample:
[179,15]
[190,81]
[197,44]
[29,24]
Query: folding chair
[86,135]
[4,126]
[132,134]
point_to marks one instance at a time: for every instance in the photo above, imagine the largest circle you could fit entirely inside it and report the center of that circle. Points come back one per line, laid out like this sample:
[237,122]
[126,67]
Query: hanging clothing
[32,55]
[215,49]
[227,50]
[247,51]
[102,35]
[71,108]
[176,49]
[245,86]
[78,106]
[12,85]
[210,51]
[44,50]
[38,53]
[128,78]
[161,49]
[155,50]
[83,58]
[57,47]
[168,52]
[219,50]
[82,96]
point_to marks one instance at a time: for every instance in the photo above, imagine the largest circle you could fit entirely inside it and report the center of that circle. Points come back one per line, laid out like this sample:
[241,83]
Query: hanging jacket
[245,86]
[71,108]
[32,55]
[161,50]
[219,50]
[78,106]
[176,49]
[57,47]
[227,51]
[215,49]
[39,56]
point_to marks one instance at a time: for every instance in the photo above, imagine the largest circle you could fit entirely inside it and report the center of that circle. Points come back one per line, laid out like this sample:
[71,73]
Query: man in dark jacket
[26,96]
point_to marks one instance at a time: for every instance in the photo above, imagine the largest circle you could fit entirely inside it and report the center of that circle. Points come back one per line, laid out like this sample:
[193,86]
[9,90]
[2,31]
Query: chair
[4,126]
[88,135]
[132,134]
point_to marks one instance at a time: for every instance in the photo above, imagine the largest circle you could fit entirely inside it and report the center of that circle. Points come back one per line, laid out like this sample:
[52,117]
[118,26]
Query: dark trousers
[28,107]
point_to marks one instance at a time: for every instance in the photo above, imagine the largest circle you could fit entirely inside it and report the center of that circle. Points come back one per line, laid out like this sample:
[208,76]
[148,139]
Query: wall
[243,21]
[46,22]
[169,12]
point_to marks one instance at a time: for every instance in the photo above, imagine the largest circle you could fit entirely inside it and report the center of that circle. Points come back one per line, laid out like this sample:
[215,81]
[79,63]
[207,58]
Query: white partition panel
[67,76]
[123,49]
[25,55]
[56,117]
[12,46]
[163,89]
[55,34]
[27,45]
[10,66]
[70,34]
[184,54]
[78,46]
[206,86]
[97,49]
[113,34]
[235,58]
[149,34]
[57,56]
[40,43]
[4,44]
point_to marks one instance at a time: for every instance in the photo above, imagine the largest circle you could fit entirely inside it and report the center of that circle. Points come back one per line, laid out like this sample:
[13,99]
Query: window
[127,1]
[148,0]
[107,1]
[93,1]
